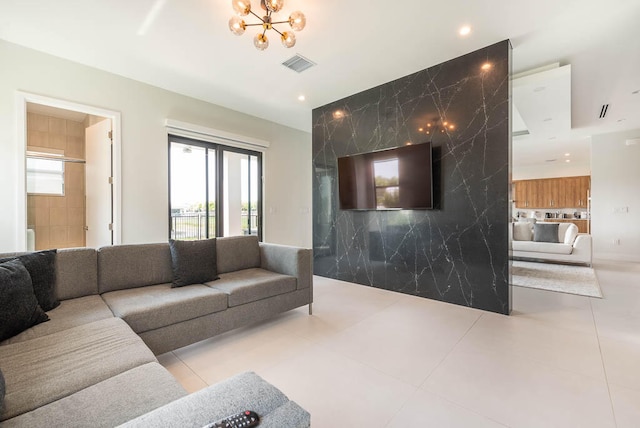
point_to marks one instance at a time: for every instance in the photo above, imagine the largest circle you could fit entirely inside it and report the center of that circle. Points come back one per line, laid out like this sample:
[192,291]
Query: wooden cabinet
[578,189]
[564,192]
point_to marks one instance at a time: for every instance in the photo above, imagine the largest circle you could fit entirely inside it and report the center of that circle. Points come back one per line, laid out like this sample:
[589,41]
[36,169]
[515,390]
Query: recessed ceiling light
[301,98]
[486,66]
[552,138]
[464,31]
[567,160]
[420,129]
[548,119]
[539,89]
[636,92]
[622,120]
[551,160]
[567,154]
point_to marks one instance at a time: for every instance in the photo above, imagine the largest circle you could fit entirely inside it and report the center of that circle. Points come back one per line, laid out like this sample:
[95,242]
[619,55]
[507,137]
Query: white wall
[552,170]
[615,183]
[144,109]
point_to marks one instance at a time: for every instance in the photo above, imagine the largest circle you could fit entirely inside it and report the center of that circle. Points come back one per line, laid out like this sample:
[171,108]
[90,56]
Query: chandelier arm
[280,22]
[253,25]
[274,29]
[257,16]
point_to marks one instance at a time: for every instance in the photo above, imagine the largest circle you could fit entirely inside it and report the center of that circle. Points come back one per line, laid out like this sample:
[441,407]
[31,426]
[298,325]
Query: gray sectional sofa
[93,364]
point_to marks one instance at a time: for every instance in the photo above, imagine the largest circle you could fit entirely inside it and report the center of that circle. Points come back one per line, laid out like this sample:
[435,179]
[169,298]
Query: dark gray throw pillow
[19,307]
[42,269]
[545,232]
[193,262]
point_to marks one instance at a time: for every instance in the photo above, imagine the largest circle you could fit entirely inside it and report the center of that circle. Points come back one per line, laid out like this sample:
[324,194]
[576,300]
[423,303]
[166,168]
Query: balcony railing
[191,226]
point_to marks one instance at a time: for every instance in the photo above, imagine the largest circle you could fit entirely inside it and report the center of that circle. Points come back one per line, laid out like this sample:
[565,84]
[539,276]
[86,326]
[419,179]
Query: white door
[98,188]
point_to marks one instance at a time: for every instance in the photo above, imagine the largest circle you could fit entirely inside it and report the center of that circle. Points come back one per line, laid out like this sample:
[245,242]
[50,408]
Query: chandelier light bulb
[241,7]
[261,42]
[237,25]
[297,20]
[269,21]
[288,39]
[274,5]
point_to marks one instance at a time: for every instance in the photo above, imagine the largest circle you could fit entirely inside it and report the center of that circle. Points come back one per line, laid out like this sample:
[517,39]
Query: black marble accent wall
[457,252]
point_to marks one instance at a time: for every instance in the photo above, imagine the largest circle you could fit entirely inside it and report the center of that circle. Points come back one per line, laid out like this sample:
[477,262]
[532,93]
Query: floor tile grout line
[442,361]
[604,367]
[190,369]
[453,348]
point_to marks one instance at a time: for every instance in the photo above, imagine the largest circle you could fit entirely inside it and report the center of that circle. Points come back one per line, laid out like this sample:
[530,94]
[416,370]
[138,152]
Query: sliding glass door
[214,190]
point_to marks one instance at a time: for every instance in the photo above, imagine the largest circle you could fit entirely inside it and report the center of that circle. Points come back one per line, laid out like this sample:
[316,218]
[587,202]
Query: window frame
[219,150]
[29,172]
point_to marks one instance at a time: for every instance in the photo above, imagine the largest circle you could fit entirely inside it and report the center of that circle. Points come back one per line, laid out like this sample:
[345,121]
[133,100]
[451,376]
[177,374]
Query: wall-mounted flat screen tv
[398,178]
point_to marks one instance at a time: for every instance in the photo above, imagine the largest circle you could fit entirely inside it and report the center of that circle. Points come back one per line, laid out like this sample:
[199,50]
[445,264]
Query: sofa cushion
[237,253]
[193,262]
[130,266]
[71,313]
[545,232]
[43,370]
[19,307]
[155,306]
[107,403]
[249,285]
[76,273]
[542,247]
[522,231]
[231,396]
[41,266]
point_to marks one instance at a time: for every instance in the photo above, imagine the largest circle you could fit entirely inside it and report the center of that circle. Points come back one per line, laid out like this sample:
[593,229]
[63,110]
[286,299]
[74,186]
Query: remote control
[246,419]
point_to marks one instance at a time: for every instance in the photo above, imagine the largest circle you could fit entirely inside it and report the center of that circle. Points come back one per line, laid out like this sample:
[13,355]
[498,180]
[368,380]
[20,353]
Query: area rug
[561,278]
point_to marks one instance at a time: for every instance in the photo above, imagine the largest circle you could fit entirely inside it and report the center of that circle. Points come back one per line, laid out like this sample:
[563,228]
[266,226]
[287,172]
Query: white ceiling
[187,48]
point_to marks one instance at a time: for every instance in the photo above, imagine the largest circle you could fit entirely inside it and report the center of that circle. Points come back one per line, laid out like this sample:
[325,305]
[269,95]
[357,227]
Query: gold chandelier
[237,25]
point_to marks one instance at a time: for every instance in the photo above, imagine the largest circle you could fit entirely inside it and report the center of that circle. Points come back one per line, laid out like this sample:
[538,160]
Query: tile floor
[373,358]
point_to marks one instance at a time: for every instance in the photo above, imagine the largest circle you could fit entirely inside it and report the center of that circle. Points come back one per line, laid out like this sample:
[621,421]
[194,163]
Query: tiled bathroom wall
[58,221]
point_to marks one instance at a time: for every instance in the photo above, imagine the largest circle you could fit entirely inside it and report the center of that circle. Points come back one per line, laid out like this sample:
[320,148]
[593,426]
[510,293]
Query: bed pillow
[19,308]
[193,262]
[42,269]
[545,232]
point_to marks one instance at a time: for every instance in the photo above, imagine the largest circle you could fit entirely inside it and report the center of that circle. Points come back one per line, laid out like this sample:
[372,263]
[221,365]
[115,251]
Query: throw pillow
[19,307]
[522,231]
[545,232]
[193,262]
[571,234]
[42,269]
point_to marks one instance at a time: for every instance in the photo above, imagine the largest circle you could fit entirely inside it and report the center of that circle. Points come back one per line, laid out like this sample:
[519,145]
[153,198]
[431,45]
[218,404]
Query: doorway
[71,170]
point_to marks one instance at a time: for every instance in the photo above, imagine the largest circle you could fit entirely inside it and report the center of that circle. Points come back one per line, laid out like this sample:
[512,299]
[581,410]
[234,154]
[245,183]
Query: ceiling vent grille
[520,133]
[603,110]
[298,63]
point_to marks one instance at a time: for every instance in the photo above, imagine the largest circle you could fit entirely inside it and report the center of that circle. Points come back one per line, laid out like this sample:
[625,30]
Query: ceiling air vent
[520,133]
[298,63]
[603,110]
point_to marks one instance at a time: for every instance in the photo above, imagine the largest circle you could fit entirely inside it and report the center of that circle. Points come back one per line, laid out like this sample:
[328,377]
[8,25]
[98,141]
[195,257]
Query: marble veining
[457,252]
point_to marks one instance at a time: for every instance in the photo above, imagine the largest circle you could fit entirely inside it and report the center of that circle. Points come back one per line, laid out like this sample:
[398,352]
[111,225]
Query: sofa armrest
[582,248]
[288,260]
[246,391]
